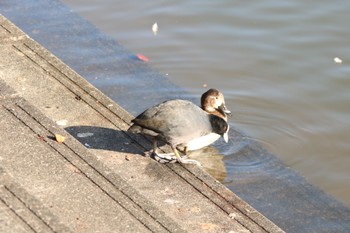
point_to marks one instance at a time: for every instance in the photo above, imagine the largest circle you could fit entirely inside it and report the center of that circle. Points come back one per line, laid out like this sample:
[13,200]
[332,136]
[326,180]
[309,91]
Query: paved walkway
[101,183]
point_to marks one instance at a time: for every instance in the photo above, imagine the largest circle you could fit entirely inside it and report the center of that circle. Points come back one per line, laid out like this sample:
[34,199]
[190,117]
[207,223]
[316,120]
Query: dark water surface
[273,60]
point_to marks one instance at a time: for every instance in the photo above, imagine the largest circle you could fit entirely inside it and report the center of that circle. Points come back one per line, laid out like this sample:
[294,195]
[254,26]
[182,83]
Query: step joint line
[29,208]
[92,168]
[69,79]
[85,175]
[16,214]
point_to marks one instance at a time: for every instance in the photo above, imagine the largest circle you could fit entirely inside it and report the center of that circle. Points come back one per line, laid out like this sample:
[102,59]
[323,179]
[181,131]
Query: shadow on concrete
[102,138]
[106,139]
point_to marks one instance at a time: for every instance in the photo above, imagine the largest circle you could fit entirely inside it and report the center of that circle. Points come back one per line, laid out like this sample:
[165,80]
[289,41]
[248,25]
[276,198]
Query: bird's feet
[172,158]
[165,158]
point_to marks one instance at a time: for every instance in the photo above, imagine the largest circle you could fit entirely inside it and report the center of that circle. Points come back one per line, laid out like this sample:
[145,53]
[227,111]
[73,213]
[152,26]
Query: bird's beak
[224,110]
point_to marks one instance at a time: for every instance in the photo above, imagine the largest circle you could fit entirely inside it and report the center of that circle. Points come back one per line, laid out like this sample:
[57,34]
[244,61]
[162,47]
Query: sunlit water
[273,60]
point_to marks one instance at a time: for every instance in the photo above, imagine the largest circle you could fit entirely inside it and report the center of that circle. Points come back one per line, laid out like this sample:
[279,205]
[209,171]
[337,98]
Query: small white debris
[171,201]
[87,145]
[84,135]
[232,215]
[337,60]
[155,28]
[62,122]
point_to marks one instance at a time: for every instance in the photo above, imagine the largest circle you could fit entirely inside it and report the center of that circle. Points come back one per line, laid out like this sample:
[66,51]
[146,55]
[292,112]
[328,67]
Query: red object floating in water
[142,57]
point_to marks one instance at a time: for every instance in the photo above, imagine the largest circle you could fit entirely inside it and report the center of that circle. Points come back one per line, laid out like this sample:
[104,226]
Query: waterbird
[182,124]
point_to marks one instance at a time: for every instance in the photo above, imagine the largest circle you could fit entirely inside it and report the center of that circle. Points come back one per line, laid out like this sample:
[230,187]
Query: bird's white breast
[202,141]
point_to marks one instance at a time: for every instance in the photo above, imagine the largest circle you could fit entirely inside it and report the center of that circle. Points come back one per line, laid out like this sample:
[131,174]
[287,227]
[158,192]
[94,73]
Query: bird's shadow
[103,138]
[109,139]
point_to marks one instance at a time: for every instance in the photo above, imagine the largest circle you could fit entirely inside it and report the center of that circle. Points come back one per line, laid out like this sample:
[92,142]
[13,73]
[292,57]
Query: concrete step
[98,179]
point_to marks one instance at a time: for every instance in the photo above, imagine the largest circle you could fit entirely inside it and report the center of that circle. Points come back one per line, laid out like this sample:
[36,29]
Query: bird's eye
[216,97]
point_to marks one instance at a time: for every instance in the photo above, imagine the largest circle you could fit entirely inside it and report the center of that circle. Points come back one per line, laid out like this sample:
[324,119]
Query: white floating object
[84,135]
[155,28]
[62,122]
[337,60]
